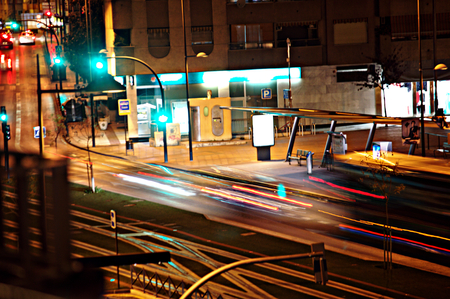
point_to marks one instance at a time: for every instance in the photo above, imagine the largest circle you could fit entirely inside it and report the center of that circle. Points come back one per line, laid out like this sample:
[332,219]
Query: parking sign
[266,94]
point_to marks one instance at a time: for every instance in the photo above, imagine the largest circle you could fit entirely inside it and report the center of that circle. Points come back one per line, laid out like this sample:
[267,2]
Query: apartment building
[334,46]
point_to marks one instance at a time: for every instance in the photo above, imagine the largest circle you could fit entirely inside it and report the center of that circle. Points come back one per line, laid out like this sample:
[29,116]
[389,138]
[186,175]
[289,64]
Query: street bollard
[309,162]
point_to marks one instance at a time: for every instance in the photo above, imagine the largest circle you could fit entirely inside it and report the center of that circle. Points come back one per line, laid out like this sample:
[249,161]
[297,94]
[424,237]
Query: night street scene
[225,149]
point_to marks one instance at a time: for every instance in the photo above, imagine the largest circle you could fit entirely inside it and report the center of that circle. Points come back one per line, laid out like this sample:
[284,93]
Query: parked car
[27,37]
[6,39]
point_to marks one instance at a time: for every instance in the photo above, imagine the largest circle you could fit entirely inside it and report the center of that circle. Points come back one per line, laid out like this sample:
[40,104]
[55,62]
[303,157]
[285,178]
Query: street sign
[58,49]
[124,107]
[286,94]
[266,94]
[36,132]
[113,218]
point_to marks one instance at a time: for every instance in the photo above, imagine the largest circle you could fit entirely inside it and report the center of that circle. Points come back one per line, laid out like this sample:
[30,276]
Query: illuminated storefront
[242,86]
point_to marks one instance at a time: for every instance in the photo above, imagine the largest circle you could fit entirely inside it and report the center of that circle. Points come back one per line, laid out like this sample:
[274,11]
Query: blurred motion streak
[166,179]
[153,184]
[345,188]
[252,191]
[343,226]
[334,193]
[240,199]
[392,227]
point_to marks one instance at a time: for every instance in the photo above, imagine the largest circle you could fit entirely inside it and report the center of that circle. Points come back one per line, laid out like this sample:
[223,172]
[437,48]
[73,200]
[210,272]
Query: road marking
[18,120]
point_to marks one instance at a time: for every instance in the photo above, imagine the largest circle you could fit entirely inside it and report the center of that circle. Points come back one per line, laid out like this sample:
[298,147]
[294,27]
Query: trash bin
[309,162]
[129,145]
[103,123]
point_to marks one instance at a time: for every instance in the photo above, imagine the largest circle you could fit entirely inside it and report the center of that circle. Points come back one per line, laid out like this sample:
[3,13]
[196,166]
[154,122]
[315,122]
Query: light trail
[346,189]
[393,237]
[253,191]
[153,184]
[240,199]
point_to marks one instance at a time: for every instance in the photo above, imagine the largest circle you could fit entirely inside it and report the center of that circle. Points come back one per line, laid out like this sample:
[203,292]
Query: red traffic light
[48,13]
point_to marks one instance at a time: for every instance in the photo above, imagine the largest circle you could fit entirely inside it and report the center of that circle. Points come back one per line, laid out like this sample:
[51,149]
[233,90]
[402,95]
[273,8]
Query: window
[300,33]
[350,31]
[122,37]
[158,42]
[251,36]
[405,27]
[202,39]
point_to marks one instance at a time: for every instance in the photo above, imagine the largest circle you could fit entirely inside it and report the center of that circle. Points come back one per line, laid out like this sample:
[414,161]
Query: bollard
[309,162]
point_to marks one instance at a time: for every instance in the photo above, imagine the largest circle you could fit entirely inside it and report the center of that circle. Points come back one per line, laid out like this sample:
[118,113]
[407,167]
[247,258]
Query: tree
[60,128]
[387,70]
[76,51]
[85,129]
[380,171]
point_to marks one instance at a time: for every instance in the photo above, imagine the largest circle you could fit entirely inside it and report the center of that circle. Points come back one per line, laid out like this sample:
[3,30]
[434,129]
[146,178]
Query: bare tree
[380,171]
[59,130]
[85,129]
[386,70]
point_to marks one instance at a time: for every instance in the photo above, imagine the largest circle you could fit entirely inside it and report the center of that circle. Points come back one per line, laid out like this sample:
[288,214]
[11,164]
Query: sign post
[124,109]
[113,215]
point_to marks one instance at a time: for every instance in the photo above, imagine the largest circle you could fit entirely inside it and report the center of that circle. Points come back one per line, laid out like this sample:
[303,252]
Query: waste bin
[103,123]
[309,162]
[129,145]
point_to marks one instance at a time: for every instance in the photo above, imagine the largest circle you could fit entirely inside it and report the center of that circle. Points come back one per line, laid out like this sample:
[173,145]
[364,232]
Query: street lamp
[201,54]
[422,106]
[160,87]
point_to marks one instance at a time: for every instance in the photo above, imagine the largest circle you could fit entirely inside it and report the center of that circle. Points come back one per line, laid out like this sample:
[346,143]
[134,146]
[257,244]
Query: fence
[152,283]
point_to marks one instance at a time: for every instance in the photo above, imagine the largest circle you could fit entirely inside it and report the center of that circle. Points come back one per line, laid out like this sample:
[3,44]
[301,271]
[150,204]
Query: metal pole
[436,104]
[91,100]
[117,253]
[422,106]
[5,145]
[162,94]
[41,119]
[187,81]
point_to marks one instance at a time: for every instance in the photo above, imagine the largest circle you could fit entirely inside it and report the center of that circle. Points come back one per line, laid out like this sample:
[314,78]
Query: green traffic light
[99,65]
[3,117]
[14,25]
[162,118]
[57,60]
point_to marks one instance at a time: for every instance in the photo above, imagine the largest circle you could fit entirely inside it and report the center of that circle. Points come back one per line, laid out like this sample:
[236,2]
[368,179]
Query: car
[5,63]
[27,37]
[6,39]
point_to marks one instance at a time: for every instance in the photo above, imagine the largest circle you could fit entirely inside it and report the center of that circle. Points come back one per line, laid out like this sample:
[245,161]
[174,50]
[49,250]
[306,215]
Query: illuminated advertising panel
[263,134]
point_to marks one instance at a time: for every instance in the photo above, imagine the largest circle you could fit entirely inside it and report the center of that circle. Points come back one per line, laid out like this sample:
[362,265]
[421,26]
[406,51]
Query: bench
[444,150]
[301,155]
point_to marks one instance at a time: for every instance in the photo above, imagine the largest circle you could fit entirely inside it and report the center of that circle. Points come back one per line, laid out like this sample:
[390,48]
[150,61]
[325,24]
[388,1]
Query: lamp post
[160,87]
[187,81]
[186,71]
[422,106]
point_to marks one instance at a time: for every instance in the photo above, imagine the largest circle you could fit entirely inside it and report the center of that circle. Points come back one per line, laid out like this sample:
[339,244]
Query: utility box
[209,122]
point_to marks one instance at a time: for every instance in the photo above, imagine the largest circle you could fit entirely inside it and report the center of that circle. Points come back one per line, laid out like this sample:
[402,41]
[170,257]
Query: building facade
[336,43]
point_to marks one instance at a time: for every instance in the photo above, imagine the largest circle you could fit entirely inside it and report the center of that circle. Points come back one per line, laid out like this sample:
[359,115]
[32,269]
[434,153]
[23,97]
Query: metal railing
[152,283]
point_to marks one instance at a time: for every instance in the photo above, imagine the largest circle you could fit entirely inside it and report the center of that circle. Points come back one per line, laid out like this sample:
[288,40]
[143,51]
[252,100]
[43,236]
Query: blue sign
[286,94]
[36,132]
[266,94]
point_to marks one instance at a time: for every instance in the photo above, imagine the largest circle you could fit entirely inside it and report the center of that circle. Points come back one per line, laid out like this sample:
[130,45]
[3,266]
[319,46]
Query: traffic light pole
[5,142]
